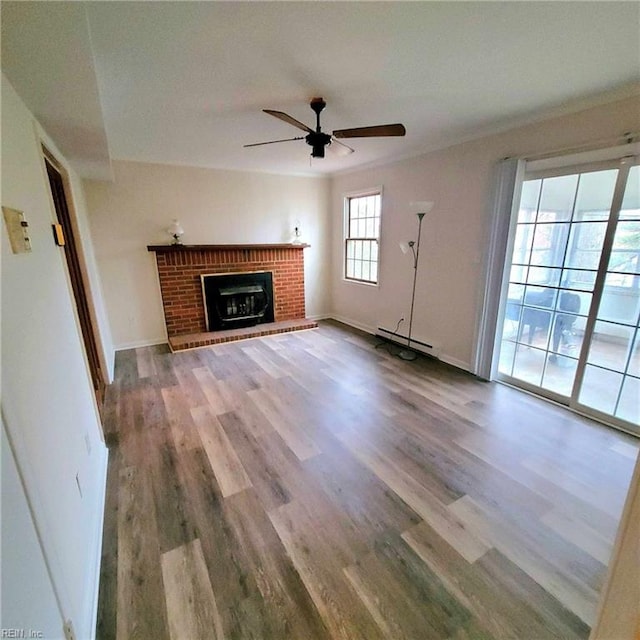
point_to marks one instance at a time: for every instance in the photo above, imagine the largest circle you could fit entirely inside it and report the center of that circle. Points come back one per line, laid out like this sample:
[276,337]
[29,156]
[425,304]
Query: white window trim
[345,230]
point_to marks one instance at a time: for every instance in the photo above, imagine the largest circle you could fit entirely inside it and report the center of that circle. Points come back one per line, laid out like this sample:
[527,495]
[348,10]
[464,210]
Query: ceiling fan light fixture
[339,149]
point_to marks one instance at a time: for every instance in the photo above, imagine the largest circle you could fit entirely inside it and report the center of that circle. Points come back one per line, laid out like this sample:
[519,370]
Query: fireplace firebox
[235,300]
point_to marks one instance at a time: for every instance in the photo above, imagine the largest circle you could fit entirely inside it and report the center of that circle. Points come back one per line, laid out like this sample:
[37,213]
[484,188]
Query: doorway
[57,183]
[570,330]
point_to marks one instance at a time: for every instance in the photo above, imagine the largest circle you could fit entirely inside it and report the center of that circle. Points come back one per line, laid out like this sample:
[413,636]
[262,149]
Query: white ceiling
[184,82]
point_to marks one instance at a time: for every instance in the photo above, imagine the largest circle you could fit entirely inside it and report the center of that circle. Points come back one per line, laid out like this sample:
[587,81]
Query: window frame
[347,198]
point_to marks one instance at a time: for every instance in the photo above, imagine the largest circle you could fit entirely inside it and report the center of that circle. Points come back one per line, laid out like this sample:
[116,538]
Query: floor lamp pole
[409,353]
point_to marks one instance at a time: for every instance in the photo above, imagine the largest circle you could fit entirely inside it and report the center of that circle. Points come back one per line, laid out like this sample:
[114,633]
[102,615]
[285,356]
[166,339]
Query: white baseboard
[140,343]
[454,362]
[317,317]
[353,323]
[111,367]
[433,351]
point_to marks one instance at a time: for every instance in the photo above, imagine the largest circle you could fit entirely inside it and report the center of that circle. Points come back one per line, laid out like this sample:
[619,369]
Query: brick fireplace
[180,268]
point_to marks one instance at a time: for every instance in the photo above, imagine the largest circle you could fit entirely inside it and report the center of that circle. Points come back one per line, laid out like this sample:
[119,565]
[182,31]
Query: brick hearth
[180,268]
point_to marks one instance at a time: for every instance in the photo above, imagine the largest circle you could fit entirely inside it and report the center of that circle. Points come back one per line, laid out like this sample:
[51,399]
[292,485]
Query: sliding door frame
[499,262]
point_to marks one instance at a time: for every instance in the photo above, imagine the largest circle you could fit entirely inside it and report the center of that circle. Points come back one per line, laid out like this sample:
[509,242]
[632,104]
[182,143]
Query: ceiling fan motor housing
[318,141]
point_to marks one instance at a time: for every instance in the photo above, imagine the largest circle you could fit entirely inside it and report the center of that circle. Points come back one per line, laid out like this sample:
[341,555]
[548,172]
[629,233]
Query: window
[362,235]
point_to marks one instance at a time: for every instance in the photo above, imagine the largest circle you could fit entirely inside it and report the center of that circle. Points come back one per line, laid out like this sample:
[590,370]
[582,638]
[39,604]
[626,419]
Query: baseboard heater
[399,336]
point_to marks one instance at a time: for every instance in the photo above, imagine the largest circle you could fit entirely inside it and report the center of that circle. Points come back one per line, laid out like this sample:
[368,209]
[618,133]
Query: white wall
[214,207]
[48,405]
[450,275]
[92,279]
[21,554]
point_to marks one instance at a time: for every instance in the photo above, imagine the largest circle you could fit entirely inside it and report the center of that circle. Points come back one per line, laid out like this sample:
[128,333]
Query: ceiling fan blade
[287,118]
[259,144]
[370,132]
[340,148]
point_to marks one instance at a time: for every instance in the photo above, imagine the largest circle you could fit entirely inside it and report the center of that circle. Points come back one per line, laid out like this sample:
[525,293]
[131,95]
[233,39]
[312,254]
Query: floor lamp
[421,208]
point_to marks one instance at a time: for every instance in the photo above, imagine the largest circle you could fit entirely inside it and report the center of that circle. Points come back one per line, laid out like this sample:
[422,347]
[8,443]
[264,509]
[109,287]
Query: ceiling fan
[318,140]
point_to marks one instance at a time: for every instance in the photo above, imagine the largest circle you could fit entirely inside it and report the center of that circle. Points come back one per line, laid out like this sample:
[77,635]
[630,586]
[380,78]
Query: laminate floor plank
[141,607]
[404,598]
[162,362]
[445,398]
[596,496]
[360,494]
[287,611]
[501,456]
[253,420]
[243,371]
[473,476]
[208,384]
[229,572]
[312,486]
[191,605]
[133,438]
[580,534]
[111,419]
[505,606]
[174,527]
[108,594]
[297,440]
[292,353]
[146,363]
[470,544]
[225,463]
[268,462]
[626,449]
[126,368]
[189,386]
[293,402]
[264,361]
[217,362]
[320,568]
[576,596]
[179,418]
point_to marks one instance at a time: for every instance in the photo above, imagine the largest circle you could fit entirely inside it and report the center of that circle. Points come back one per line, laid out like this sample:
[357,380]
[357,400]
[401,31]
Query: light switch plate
[18,230]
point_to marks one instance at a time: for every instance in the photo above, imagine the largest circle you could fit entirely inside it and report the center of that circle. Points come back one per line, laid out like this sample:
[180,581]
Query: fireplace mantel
[162,248]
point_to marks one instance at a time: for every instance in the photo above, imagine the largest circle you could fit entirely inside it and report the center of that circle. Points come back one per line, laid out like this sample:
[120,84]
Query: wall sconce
[176,232]
[420,209]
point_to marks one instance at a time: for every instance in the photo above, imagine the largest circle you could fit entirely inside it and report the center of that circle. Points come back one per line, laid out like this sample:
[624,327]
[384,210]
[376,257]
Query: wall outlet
[67,628]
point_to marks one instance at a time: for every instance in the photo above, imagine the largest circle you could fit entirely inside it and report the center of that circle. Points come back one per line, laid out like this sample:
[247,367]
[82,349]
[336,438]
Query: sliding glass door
[570,327]
[611,378]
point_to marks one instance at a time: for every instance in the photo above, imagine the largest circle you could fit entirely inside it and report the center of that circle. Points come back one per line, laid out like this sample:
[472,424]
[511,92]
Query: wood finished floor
[308,485]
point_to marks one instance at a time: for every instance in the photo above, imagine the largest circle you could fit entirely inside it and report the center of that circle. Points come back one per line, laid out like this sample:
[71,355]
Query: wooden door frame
[76,270]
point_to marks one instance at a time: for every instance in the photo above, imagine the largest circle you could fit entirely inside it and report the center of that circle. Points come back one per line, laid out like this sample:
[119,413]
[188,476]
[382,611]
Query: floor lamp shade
[421,206]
